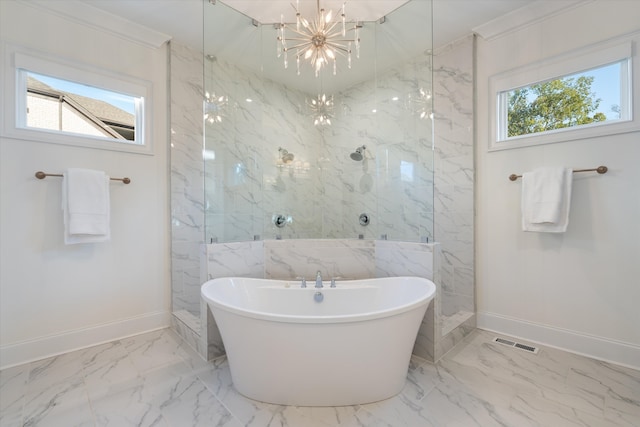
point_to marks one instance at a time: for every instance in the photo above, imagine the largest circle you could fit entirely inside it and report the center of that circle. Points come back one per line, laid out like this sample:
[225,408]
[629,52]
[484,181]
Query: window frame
[565,65]
[19,62]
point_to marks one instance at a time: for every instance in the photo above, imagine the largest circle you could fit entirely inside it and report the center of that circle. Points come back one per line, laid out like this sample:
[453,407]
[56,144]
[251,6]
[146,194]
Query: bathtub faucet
[318,280]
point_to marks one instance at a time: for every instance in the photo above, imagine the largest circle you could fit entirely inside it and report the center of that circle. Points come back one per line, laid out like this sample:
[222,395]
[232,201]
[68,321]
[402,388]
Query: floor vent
[524,347]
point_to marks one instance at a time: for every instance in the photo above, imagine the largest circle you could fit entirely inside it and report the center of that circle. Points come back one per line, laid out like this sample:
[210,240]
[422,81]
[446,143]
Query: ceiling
[272,10]
[182,19]
[230,36]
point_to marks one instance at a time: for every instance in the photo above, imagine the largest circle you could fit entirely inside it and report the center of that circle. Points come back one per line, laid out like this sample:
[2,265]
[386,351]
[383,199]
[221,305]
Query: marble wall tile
[399,158]
[404,259]
[185,276]
[425,344]
[187,185]
[234,228]
[246,143]
[240,259]
[189,332]
[353,259]
[211,345]
[454,186]
[453,303]
[457,334]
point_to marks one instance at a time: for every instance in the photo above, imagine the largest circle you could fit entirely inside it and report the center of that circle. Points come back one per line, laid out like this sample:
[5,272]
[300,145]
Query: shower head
[285,156]
[358,155]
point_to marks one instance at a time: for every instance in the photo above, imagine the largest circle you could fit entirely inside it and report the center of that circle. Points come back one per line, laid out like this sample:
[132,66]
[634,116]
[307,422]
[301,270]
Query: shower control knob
[364,219]
[280,220]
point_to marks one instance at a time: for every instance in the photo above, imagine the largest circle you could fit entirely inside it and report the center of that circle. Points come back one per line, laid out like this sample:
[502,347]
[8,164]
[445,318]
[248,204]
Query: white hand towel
[546,199]
[86,206]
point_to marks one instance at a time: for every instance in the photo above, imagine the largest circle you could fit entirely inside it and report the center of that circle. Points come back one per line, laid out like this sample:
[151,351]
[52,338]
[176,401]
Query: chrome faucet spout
[318,280]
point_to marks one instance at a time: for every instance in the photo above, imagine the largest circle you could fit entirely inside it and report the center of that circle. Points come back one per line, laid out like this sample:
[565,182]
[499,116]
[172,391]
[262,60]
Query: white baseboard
[52,345]
[600,348]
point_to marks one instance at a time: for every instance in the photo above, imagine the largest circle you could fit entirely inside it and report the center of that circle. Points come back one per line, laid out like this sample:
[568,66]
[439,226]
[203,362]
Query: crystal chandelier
[321,109]
[320,40]
[214,107]
[422,104]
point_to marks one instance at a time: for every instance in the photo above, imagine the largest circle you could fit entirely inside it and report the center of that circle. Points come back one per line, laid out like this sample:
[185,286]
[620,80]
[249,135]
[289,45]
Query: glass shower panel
[233,117]
[404,124]
[256,109]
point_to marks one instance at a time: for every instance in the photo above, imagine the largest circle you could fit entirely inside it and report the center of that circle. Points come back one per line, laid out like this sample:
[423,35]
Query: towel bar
[599,169]
[42,175]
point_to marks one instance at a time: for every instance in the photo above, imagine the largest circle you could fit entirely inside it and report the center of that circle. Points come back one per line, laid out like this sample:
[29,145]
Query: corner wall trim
[91,16]
[524,16]
[620,353]
[52,345]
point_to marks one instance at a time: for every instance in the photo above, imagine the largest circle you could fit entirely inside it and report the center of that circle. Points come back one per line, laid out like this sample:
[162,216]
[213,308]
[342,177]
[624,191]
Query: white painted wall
[578,290]
[55,298]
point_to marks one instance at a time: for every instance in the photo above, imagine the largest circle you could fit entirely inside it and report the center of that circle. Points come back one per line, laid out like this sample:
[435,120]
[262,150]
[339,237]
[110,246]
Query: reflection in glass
[321,109]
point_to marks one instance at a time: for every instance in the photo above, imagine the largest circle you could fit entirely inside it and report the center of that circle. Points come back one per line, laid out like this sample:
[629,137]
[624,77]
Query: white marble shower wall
[187,169]
[295,258]
[237,259]
[338,258]
[454,185]
[245,182]
[324,191]
[394,182]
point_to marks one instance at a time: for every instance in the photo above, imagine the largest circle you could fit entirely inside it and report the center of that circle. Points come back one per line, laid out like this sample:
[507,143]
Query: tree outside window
[564,102]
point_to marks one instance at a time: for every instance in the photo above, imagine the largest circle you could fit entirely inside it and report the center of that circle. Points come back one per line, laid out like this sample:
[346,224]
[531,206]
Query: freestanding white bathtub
[286,348]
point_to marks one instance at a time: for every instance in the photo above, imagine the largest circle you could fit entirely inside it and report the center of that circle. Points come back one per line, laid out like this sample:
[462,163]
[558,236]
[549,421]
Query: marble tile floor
[154,379]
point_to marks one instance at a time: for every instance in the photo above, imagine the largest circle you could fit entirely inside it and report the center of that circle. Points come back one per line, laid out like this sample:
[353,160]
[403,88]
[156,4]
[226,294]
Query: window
[579,95]
[73,104]
[588,98]
[61,105]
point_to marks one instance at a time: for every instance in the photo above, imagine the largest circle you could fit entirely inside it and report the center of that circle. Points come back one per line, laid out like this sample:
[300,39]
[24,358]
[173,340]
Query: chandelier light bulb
[214,107]
[421,104]
[321,109]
